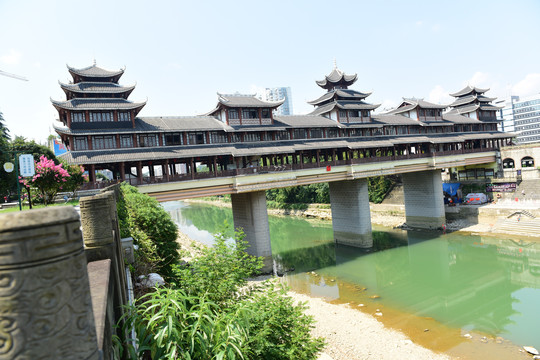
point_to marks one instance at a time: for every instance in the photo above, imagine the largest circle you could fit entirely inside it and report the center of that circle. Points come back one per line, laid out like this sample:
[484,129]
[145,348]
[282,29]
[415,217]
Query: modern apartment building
[521,116]
[280,93]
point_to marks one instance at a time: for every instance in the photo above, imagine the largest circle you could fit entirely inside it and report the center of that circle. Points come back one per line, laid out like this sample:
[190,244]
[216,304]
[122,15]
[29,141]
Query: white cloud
[479,79]
[419,23]
[528,86]
[12,58]
[386,105]
[254,89]
[439,95]
[436,28]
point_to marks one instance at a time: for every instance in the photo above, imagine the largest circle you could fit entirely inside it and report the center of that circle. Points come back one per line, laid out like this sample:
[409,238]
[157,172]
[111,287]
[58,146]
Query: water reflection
[477,283]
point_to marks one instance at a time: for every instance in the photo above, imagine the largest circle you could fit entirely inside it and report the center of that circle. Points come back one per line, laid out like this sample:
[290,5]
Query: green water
[485,284]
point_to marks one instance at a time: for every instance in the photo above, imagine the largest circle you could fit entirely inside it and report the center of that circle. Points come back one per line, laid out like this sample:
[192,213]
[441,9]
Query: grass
[38,206]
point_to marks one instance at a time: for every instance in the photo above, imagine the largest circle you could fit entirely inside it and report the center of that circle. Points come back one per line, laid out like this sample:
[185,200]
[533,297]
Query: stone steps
[525,226]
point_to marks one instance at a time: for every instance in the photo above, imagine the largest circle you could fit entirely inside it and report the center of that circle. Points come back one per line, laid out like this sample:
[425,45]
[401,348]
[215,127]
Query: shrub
[143,218]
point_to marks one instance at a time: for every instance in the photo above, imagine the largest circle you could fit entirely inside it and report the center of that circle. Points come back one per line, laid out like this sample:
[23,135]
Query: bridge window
[81,143]
[124,116]
[218,137]
[126,141]
[508,163]
[103,142]
[527,161]
[233,114]
[235,138]
[252,137]
[101,116]
[332,133]
[250,114]
[196,138]
[148,140]
[78,117]
[266,137]
[315,133]
[299,133]
[173,139]
[283,135]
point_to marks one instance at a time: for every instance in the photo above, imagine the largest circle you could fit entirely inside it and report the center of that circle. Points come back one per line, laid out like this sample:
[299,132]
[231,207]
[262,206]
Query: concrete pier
[249,214]
[351,217]
[424,203]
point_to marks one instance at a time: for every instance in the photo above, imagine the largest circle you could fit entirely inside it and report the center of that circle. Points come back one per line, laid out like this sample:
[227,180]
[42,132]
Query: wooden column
[122,166]
[165,168]
[139,172]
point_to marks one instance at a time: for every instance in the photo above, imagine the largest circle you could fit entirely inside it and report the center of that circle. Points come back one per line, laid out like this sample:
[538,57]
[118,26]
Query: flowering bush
[48,179]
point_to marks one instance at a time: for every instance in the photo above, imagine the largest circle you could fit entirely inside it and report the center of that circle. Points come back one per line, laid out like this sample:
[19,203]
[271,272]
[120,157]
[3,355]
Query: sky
[180,54]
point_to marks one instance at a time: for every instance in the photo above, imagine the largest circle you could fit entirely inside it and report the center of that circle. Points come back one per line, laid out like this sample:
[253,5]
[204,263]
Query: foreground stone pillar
[45,303]
[424,203]
[249,213]
[351,218]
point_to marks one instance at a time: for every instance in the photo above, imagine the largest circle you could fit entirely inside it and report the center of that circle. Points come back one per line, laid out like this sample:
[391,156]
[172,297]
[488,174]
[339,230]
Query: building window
[103,142]
[148,140]
[173,139]
[81,143]
[235,138]
[126,141]
[354,113]
[342,114]
[78,117]
[101,116]
[124,116]
[266,137]
[508,163]
[265,113]
[196,138]
[250,114]
[527,161]
[365,113]
[233,114]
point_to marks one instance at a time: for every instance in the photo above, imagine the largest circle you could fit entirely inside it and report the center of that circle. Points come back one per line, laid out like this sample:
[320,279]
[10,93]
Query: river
[443,283]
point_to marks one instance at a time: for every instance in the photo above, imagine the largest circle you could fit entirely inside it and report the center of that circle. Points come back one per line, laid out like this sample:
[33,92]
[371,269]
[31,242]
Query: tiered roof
[242,101]
[90,89]
[469,100]
[337,79]
[409,104]
[95,73]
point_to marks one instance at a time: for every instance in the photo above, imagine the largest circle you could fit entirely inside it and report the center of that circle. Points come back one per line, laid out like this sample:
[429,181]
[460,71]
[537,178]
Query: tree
[4,131]
[75,180]
[49,178]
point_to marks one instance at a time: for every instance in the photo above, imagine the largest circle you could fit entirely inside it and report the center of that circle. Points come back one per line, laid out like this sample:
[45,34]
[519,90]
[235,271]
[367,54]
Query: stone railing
[60,296]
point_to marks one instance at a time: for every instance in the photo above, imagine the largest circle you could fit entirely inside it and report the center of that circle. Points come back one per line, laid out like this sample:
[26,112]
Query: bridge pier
[249,213]
[424,203]
[351,218]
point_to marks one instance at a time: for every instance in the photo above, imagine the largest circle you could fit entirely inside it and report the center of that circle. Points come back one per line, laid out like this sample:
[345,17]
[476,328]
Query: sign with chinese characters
[8,167]
[26,165]
[502,187]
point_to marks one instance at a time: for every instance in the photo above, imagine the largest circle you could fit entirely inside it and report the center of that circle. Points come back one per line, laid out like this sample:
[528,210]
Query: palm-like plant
[4,131]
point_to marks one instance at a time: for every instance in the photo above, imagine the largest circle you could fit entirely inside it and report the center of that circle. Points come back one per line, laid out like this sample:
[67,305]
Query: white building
[280,93]
[521,116]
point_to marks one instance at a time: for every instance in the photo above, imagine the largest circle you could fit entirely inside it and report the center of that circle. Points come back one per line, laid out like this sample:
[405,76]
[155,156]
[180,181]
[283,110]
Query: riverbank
[350,333]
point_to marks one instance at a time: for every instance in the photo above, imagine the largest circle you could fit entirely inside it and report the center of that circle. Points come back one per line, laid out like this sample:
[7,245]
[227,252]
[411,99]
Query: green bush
[152,228]
[211,313]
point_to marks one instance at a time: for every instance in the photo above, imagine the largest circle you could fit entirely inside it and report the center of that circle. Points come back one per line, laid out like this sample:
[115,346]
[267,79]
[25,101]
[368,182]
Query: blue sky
[180,53]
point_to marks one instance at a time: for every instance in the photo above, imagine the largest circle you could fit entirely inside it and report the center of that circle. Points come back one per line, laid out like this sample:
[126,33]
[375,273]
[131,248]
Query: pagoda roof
[471,98]
[468,90]
[346,94]
[456,118]
[95,72]
[97,104]
[96,87]
[344,105]
[473,107]
[336,77]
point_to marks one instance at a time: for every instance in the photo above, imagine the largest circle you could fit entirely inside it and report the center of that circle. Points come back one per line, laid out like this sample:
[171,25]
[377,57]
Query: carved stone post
[45,303]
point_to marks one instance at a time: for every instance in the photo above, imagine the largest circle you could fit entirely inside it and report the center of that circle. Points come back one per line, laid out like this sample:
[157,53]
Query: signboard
[26,165]
[9,167]
[59,148]
[501,187]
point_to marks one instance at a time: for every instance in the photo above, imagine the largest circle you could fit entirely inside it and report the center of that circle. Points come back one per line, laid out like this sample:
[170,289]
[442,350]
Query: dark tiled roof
[459,119]
[464,109]
[356,105]
[97,104]
[389,119]
[471,98]
[346,94]
[409,104]
[236,100]
[468,90]
[336,77]
[94,71]
[97,87]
